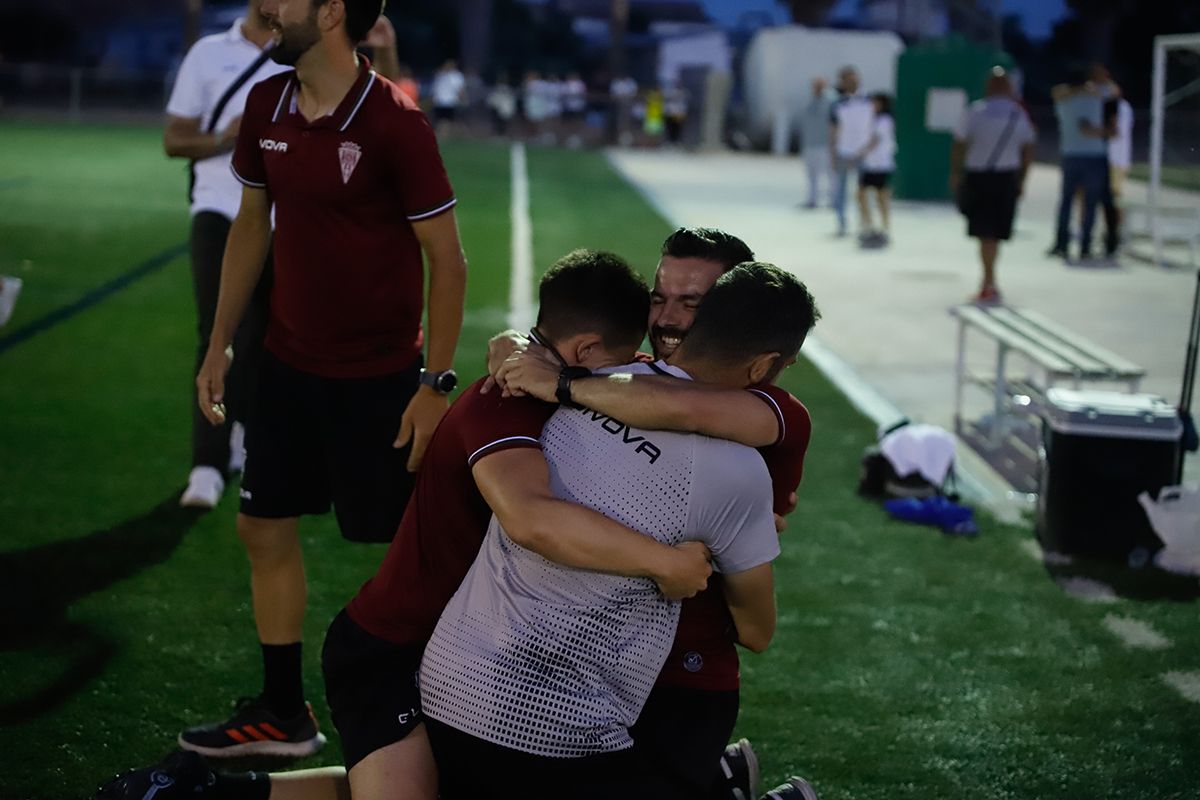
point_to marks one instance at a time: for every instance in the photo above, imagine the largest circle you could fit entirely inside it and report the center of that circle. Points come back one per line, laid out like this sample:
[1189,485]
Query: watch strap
[568,374]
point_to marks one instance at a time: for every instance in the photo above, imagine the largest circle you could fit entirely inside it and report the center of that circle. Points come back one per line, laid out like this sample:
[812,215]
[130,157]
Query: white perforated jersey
[558,662]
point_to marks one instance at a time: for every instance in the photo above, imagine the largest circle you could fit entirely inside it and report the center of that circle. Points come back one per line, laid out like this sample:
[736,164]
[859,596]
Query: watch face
[447,381]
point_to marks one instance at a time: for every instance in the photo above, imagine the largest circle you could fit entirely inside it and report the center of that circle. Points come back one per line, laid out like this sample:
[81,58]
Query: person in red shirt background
[344,408]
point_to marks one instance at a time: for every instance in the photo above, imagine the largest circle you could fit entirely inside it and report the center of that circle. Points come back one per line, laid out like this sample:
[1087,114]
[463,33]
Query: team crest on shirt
[348,155]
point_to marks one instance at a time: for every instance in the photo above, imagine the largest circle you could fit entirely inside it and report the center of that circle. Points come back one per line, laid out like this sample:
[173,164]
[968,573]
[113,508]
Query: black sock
[240,786]
[283,691]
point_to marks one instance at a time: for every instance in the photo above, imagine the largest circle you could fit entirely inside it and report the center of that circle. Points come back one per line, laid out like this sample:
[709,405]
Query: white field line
[1136,634]
[520,287]
[1186,683]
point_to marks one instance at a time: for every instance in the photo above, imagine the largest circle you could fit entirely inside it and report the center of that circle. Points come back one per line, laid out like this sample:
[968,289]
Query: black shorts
[312,442]
[993,203]
[371,688]
[470,768]
[445,113]
[873,180]
[679,738]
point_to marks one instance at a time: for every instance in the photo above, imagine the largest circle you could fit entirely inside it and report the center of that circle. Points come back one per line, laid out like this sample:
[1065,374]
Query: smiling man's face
[679,287]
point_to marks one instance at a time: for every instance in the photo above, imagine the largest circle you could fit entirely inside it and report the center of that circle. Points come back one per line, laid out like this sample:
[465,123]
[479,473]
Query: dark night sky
[1039,15]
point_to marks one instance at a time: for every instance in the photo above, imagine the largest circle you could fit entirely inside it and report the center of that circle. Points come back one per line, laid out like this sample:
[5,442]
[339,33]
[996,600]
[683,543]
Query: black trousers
[210,443]
[679,740]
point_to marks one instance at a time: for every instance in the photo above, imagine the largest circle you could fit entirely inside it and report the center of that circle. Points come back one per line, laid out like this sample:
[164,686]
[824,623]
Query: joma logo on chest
[617,428]
[273,145]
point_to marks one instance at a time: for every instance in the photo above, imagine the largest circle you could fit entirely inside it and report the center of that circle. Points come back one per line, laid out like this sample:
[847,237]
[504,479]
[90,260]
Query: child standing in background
[878,164]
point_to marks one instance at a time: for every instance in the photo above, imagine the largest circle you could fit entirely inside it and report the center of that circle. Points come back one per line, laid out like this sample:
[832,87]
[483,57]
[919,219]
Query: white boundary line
[520,286]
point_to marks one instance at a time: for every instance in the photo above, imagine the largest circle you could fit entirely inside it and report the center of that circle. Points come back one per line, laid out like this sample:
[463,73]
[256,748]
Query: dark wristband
[568,374]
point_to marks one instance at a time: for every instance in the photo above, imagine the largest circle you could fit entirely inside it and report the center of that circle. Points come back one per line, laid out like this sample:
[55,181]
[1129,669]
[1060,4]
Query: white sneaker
[10,290]
[204,488]
[237,448]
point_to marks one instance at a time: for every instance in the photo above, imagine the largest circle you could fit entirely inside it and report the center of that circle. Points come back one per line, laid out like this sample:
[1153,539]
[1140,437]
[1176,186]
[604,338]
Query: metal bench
[1008,437]
[1176,224]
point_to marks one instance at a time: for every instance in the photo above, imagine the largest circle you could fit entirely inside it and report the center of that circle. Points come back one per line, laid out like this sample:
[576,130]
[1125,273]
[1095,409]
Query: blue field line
[94,297]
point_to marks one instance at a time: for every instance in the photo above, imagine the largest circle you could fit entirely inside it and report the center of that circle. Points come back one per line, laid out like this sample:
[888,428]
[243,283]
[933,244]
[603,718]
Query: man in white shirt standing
[203,116]
[994,143]
[850,132]
[449,91]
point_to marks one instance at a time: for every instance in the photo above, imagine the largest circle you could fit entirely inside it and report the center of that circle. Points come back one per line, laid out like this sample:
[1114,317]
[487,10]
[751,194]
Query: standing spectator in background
[204,114]
[1118,124]
[814,141]
[675,111]
[574,108]
[652,118]
[1083,144]
[875,175]
[10,290]
[849,133]
[993,148]
[449,91]
[552,92]
[533,103]
[502,101]
[624,92]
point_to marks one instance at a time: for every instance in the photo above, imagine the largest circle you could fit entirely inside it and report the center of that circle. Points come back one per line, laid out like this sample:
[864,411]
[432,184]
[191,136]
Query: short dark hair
[709,244]
[885,102]
[754,308]
[361,16]
[591,291]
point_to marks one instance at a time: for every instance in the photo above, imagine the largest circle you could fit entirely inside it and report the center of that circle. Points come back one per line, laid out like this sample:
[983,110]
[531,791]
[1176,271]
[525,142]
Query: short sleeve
[187,96]
[785,458]
[501,423]
[731,507]
[248,164]
[417,164]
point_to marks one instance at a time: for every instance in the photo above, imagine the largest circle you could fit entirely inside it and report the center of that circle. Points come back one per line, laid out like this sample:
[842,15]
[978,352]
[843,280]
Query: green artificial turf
[907,664]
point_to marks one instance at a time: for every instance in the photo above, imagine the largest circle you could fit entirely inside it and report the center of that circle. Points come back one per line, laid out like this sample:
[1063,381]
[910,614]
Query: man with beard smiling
[343,409]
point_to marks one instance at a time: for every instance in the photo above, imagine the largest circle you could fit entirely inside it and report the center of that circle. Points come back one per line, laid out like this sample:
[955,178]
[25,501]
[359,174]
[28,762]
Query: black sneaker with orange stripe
[254,730]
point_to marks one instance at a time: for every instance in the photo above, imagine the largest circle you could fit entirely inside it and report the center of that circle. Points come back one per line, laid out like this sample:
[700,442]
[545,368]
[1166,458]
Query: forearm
[660,403]
[957,158]
[575,536]
[447,293]
[241,269]
[196,145]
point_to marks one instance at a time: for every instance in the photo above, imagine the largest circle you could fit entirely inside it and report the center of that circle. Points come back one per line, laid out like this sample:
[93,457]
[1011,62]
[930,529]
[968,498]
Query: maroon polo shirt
[447,518]
[704,655]
[349,279]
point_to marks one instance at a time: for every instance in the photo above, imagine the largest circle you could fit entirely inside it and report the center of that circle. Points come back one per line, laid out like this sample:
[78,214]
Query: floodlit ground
[907,664]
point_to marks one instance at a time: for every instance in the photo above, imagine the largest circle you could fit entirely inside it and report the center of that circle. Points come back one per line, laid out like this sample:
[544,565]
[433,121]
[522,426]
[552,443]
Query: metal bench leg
[960,375]
[1000,397]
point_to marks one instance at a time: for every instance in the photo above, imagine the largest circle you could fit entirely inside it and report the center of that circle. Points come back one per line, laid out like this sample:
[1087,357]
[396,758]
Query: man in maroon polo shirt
[344,409]
[484,457]
[690,715]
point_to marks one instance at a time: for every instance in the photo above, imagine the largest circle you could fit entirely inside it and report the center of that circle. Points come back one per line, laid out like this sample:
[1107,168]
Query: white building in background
[780,65]
[914,19]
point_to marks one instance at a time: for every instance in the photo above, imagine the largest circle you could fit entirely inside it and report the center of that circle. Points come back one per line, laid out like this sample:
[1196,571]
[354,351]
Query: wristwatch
[568,374]
[441,382]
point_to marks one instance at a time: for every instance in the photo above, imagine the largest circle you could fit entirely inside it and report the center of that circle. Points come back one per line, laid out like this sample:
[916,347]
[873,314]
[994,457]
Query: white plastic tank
[781,63]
